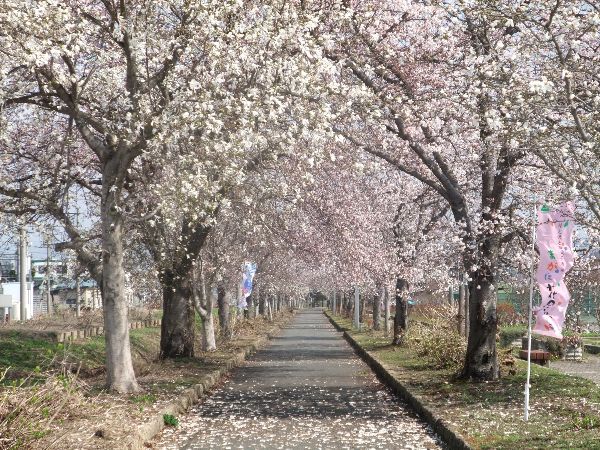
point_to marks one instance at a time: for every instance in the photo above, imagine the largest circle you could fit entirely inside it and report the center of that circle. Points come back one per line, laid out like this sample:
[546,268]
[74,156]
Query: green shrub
[510,333]
[439,342]
[170,420]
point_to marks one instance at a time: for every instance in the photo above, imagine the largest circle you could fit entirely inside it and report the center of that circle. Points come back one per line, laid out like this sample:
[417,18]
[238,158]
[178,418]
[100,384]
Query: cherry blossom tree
[433,90]
[135,79]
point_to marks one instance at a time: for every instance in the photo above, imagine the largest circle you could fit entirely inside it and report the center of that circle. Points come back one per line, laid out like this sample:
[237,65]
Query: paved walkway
[307,390]
[588,368]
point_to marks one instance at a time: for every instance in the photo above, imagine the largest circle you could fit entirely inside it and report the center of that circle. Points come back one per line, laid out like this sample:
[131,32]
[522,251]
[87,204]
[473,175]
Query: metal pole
[77,296]
[530,313]
[23,272]
[356,308]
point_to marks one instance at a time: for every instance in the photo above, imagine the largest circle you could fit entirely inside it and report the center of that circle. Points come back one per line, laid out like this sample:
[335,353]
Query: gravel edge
[450,436]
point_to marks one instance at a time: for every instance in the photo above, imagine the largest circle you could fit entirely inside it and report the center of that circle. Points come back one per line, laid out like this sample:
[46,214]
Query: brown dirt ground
[115,415]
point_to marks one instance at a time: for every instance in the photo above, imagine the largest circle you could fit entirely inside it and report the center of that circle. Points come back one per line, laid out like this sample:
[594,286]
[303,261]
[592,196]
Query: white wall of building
[14,290]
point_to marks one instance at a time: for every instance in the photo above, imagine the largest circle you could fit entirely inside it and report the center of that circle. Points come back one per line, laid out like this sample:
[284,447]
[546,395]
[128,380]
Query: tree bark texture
[119,364]
[262,304]
[223,305]
[481,362]
[270,300]
[386,309]
[377,311]
[209,342]
[362,308]
[178,324]
[467,326]
[461,309]
[401,317]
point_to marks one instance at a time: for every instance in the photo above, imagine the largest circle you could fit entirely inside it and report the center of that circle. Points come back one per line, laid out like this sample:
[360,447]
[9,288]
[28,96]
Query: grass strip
[565,410]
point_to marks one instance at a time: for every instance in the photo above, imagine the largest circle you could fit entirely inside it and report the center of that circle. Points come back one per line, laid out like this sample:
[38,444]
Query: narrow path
[306,390]
[588,368]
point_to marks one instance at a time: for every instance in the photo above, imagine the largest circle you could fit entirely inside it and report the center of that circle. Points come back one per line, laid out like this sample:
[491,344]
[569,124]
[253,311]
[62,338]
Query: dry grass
[66,406]
[32,407]
[67,320]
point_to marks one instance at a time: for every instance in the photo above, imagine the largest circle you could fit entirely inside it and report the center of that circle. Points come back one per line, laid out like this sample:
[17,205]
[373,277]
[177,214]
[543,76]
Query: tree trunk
[363,307]
[178,323]
[203,302]
[262,309]
[269,308]
[401,317]
[461,308]
[351,304]
[209,343]
[467,326]
[249,308]
[119,365]
[377,311]
[386,306]
[223,305]
[481,361]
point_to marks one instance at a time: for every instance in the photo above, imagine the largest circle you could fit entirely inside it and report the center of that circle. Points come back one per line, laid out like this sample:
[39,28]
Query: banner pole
[533,237]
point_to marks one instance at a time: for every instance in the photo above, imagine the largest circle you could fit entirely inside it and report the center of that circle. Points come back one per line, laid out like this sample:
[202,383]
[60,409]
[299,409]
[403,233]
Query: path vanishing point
[306,390]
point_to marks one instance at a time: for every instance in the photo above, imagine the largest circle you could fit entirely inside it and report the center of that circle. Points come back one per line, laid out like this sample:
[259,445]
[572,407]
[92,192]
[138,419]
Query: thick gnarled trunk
[401,316]
[177,329]
[178,325]
[481,362]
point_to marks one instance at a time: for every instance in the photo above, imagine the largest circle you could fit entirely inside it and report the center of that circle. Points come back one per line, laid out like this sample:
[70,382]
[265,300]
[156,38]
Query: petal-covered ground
[306,390]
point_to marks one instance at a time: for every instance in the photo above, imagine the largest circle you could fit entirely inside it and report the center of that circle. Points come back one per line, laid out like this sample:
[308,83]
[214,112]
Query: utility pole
[48,298]
[23,272]
[78,295]
[77,278]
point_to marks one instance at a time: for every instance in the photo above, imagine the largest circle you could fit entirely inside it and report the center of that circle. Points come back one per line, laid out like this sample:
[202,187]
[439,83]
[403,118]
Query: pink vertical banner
[555,243]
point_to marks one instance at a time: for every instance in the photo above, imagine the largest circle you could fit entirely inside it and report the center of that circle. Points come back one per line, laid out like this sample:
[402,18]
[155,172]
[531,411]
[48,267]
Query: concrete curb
[155,424]
[450,437]
[62,336]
